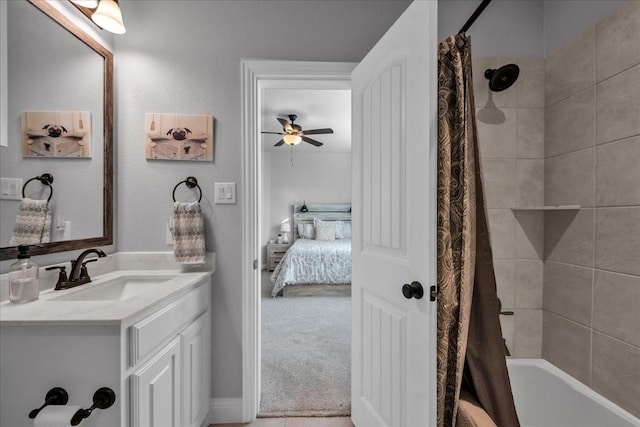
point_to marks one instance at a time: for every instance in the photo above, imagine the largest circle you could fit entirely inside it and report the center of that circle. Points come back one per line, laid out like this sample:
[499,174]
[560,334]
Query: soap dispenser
[23,277]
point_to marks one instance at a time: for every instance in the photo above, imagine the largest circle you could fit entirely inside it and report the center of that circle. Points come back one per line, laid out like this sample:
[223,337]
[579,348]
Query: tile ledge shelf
[547,208]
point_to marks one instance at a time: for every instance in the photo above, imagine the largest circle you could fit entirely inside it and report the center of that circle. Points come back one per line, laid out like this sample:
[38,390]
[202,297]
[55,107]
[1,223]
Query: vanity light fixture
[105,14]
[89,4]
[108,16]
[292,139]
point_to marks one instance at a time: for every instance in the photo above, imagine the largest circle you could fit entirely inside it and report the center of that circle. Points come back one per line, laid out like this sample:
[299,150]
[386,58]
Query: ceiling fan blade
[279,143]
[285,124]
[311,141]
[274,133]
[317,131]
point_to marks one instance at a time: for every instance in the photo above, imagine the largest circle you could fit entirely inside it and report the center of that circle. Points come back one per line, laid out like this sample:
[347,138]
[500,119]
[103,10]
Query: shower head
[503,77]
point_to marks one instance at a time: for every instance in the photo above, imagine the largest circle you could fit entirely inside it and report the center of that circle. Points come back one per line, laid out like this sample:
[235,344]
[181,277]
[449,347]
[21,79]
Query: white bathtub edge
[576,385]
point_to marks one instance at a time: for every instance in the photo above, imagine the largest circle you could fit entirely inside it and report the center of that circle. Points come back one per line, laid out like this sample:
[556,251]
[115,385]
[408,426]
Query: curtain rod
[474,16]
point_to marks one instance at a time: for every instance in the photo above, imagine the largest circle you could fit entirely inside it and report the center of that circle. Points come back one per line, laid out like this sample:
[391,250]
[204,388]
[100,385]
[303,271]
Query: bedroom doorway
[259,76]
[305,355]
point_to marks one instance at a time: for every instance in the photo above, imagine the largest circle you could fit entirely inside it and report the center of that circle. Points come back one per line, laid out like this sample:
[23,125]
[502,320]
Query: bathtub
[546,396]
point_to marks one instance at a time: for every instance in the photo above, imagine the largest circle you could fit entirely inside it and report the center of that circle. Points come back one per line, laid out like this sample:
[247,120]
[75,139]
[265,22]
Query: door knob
[413,290]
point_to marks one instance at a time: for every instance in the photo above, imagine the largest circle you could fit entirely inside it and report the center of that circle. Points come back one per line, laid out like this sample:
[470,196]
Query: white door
[394,215]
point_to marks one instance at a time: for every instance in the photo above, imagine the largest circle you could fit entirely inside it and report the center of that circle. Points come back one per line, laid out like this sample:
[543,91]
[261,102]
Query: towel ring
[45,179]
[190,182]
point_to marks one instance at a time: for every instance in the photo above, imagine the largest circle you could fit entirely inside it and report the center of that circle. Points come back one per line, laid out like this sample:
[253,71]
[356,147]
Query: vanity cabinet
[157,361]
[169,355]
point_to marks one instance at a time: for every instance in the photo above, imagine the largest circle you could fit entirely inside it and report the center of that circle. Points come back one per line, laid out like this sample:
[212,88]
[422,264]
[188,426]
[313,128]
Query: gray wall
[184,57]
[563,20]
[505,28]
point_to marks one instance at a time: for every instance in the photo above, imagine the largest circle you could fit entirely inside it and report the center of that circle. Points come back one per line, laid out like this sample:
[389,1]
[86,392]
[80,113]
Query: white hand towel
[33,223]
[188,233]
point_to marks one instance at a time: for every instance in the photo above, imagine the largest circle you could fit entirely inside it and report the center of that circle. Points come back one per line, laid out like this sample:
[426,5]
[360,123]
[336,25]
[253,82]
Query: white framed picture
[49,134]
[179,137]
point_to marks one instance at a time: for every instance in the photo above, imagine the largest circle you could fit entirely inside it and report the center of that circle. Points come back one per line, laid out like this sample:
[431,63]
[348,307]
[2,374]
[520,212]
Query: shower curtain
[471,356]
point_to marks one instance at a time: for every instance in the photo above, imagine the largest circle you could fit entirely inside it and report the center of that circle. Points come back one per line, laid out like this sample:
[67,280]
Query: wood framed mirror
[89,195]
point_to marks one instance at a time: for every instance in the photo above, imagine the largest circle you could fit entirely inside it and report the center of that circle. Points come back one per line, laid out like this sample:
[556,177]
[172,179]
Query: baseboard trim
[225,410]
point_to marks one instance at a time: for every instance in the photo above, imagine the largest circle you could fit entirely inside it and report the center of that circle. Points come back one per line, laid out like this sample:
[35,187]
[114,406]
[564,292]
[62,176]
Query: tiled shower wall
[511,143]
[592,255]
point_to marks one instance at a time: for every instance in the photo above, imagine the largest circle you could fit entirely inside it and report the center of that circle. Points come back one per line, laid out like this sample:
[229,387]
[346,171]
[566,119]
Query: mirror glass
[63,75]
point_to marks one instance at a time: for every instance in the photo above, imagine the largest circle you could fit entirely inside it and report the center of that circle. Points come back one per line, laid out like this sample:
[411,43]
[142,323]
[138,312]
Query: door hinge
[433,293]
[255,264]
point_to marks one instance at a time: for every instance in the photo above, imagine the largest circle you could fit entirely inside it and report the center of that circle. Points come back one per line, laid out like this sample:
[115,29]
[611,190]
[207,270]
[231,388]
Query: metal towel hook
[55,396]
[103,398]
[190,182]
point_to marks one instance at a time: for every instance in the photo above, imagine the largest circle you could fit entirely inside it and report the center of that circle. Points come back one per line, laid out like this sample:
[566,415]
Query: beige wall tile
[529,235]
[616,372]
[616,306]
[530,133]
[527,334]
[498,140]
[507,324]
[528,284]
[569,179]
[505,282]
[617,245]
[480,84]
[568,291]
[618,106]
[618,173]
[499,176]
[571,68]
[530,83]
[501,227]
[567,345]
[617,47]
[530,180]
[568,237]
[570,124]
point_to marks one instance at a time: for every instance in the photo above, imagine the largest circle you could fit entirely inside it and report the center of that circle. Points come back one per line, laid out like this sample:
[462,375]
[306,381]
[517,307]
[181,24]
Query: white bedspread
[314,262]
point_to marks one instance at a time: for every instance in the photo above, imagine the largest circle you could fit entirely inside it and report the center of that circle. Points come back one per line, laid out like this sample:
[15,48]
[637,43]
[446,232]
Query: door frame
[258,75]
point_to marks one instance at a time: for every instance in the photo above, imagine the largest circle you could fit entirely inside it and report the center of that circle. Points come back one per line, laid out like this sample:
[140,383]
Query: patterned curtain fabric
[470,347]
[456,220]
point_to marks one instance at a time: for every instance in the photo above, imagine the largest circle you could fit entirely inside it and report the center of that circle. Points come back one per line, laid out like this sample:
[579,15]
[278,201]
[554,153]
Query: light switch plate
[11,188]
[225,193]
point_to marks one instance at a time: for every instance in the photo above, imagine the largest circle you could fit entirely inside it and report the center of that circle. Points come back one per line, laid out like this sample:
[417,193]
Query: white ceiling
[315,108]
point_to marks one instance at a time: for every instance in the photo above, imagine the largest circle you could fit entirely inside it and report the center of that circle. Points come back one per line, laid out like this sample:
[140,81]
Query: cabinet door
[156,389]
[196,350]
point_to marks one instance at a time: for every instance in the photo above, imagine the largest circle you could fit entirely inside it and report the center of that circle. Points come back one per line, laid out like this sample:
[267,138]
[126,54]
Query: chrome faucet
[79,274]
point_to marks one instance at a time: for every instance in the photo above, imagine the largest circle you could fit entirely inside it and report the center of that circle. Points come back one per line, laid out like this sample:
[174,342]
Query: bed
[320,258]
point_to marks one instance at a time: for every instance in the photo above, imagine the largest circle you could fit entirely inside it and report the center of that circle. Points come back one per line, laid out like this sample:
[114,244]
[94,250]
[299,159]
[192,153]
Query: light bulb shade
[292,139]
[285,228]
[109,17]
[91,4]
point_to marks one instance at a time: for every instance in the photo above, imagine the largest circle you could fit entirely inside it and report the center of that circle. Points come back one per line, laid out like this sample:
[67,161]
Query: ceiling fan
[293,134]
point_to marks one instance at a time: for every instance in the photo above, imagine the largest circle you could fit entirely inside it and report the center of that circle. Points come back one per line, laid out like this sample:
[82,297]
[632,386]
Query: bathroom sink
[117,289]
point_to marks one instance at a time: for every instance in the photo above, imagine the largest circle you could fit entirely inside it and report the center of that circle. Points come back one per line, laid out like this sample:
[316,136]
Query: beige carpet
[306,355]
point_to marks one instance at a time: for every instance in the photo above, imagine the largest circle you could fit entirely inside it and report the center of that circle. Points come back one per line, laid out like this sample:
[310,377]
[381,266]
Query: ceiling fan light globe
[292,139]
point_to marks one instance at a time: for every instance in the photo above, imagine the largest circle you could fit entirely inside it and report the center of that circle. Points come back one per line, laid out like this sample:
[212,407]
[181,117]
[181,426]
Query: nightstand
[275,252]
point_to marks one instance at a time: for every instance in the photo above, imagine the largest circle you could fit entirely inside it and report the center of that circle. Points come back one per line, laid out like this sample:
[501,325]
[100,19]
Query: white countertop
[49,310]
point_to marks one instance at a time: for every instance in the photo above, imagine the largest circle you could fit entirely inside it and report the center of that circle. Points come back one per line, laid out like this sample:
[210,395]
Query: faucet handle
[62,277]
[84,274]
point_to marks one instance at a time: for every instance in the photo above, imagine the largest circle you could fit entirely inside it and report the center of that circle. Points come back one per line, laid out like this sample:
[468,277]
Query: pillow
[306,231]
[325,232]
[341,227]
